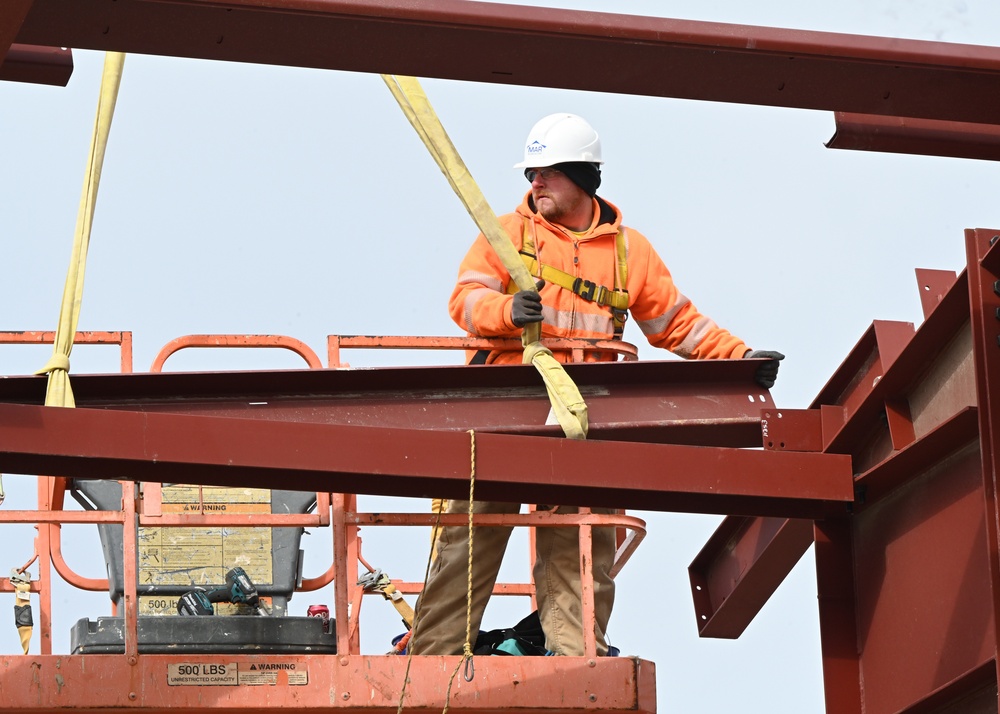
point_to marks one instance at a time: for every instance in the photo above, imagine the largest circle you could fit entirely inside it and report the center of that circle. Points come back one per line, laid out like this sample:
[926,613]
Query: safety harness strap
[616,298]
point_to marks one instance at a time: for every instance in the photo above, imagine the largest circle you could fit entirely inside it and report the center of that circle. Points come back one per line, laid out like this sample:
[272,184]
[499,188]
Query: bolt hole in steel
[750,397]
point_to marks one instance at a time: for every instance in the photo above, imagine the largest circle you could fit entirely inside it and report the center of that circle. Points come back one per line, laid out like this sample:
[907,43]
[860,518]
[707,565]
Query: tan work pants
[441,609]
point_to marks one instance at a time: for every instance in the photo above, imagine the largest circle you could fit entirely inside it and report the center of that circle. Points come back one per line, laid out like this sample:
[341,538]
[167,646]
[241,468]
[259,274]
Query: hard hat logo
[560,138]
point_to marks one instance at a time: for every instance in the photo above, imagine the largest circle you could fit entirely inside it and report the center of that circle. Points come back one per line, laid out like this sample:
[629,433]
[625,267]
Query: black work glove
[527,306]
[768,371]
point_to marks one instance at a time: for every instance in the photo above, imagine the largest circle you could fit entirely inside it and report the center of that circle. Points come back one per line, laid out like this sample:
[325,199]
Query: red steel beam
[544,47]
[225,451]
[12,14]
[748,558]
[37,65]
[739,569]
[926,137]
[703,402]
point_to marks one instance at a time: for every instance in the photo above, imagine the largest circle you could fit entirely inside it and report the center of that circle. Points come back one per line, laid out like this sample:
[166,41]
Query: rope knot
[58,361]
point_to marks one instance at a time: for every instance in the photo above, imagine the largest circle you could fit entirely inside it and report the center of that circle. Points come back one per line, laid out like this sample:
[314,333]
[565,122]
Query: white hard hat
[559,138]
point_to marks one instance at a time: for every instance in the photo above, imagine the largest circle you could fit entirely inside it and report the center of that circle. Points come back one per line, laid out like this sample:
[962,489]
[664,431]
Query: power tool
[239,589]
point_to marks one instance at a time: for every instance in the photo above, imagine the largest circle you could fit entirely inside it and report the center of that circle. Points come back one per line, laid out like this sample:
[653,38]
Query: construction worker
[591,270]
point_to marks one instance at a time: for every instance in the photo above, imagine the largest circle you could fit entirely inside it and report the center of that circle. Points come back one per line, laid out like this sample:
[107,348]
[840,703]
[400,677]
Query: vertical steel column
[983,258]
[837,617]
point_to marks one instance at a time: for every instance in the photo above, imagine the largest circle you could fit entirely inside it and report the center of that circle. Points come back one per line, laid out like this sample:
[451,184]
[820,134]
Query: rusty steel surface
[704,402]
[842,683]
[740,567]
[226,451]
[533,46]
[37,65]
[926,137]
[332,682]
[924,602]
[907,580]
[12,14]
[983,257]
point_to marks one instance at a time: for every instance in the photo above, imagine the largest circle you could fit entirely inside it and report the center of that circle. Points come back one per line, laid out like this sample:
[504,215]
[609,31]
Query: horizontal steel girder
[225,451]
[545,47]
[926,137]
[703,402]
[37,65]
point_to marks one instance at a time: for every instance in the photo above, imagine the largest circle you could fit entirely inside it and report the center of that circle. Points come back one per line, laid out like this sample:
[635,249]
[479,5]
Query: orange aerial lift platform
[891,472]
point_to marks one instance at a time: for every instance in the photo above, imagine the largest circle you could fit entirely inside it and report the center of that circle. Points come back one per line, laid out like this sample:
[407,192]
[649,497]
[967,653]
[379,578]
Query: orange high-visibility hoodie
[480,304]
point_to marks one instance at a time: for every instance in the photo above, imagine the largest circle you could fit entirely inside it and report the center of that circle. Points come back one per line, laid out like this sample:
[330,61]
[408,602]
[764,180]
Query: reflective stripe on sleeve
[701,328]
[471,300]
[487,281]
[659,324]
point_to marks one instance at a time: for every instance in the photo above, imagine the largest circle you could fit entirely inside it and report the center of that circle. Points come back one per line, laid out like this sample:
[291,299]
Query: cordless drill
[239,589]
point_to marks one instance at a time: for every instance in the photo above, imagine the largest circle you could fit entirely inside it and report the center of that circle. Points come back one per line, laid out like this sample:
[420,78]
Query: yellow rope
[467,648]
[470,671]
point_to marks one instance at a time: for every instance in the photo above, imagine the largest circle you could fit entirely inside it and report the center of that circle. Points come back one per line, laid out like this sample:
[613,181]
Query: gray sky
[250,199]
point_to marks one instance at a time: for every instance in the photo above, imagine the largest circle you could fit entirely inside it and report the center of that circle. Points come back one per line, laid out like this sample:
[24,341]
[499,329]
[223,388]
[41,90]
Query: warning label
[202,675]
[199,674]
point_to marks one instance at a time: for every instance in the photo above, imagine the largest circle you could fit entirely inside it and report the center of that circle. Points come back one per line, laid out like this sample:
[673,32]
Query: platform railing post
[587,587]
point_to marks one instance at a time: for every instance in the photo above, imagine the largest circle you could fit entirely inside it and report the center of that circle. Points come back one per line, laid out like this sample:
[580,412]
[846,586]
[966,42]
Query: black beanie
[583,173]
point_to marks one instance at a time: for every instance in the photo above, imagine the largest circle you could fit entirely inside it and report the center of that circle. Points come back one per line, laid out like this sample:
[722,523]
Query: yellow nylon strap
[571,409]
[59,392]
[622,258]
[618,300]
[402,607]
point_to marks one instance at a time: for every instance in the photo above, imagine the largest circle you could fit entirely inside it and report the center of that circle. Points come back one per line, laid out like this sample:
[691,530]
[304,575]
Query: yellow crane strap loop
[567,405]
[59,393]
[413,101]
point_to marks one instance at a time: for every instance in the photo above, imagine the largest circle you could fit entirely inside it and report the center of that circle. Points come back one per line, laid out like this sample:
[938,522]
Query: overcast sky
[251,199]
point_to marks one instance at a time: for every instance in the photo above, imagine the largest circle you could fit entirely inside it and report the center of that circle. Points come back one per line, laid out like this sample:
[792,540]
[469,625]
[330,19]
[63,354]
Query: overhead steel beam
[12,14]
[225,451]
[926,137]
[37,65]
[518,45]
